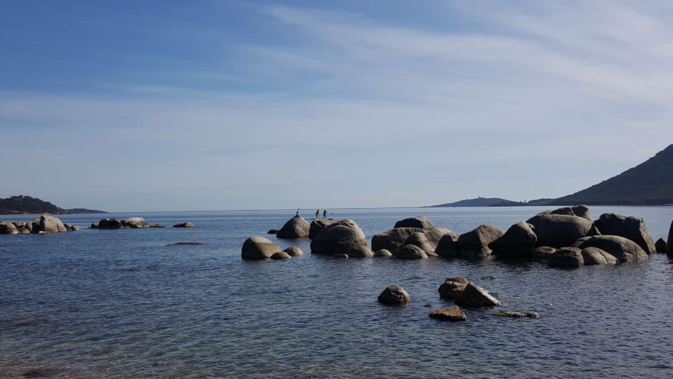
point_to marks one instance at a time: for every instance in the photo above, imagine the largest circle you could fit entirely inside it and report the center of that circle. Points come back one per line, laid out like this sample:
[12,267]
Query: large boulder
[109,223]
[474,296]
[516,243]
[394,295]
[47,224]
[421,240]
[578,210]
[452,288]
[317,225]
[448,246]
[420,222]
[411,252]
[342,237]
[474,244]
[452,313]
[7,227]
[296,227]
[135,223]
[257,248]
[661,246]
[621,248]
[596,256]
[566,257]
[557,230]
[628,227]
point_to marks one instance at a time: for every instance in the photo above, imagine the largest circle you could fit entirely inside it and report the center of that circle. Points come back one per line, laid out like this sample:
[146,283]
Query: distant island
[649,183]
[31,205]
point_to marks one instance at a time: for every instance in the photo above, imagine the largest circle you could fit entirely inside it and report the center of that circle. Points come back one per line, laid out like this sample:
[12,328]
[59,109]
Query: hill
[31,205]
[478,202]
[649,183]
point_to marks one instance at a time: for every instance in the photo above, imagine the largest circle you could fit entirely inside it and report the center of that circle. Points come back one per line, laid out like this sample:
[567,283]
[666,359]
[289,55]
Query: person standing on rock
[324,214]
[317,213]
[297,212]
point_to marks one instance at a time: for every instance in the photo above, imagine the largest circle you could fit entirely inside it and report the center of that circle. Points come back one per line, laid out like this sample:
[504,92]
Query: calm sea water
[122,304]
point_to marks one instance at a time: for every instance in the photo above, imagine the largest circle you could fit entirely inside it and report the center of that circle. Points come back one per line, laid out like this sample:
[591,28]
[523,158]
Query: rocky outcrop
[383,253]
[47,224]
[452,288]
[474,244]
[7,227]
[420,222]
[596,256]
[621,248]
[134,223]
[452,314]
[296,227]
[317,225]
[516,243]
[394,295]
[187,224]
[628,227]
[660,246]
[107,223]
[342,237]
[566,257]
[411,252]
[557,230]
[294,251]
[71,228]
[474,296]
[258,248]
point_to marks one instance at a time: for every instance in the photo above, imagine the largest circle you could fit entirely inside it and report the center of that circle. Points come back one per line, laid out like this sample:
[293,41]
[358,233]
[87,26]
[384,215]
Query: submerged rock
[628,227]
[341,237]
[474,296]
[185,244]
[272,231]
[394,295]
[383,253]
[296,227]
[184,225]
[531,314]
[257,248]
[452,313]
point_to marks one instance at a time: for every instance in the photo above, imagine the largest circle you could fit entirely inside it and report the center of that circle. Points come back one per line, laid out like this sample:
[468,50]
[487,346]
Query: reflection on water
[123,304]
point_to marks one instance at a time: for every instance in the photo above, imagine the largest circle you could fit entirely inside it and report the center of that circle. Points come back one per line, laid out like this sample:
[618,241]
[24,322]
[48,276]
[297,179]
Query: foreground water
[122,304]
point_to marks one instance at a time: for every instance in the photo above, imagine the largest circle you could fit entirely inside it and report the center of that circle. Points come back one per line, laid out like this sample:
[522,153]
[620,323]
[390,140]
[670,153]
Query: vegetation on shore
[30,205]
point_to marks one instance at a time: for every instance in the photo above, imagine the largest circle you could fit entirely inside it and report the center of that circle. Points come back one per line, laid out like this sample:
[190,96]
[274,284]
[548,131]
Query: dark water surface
[122,304]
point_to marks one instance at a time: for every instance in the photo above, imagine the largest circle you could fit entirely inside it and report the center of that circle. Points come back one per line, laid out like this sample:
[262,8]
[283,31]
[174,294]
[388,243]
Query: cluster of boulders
[132,223]
[260,248]
[461,292]
[43,224]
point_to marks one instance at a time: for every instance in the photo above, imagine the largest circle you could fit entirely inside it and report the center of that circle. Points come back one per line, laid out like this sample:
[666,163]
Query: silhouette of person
[317,213]
[324,214]
[297,212]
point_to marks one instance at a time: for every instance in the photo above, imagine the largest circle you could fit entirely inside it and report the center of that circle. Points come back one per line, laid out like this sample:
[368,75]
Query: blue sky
[204,105]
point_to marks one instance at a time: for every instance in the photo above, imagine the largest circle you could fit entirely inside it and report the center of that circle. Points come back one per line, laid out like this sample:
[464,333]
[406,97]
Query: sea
[124,304]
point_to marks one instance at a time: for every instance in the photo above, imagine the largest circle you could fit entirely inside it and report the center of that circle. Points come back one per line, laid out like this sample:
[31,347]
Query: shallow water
[122,304]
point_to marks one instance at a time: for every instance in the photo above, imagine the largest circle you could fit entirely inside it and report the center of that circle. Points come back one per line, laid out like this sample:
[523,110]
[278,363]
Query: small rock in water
[157,226]
[428,305]
[394,295]
[531,314]
[475,297]
[294,251]
[452,288]
[660,246]
[452,313]
[489,277]
[184,225]
[185,244]
[281,255]
[273,231]
[341,256]
[383,253]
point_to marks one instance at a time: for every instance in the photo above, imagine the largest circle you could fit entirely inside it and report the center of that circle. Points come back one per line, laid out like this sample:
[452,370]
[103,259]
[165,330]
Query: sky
[214,105]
